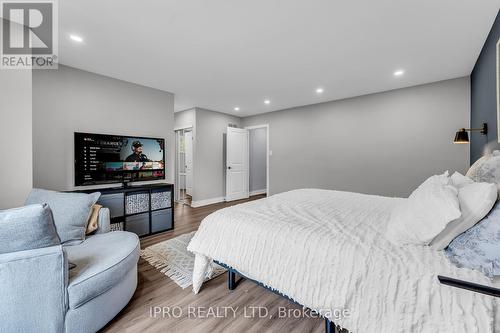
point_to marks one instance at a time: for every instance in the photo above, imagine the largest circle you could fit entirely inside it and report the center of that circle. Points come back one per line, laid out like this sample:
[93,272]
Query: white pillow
[476,200]
[425,213]
[458,180]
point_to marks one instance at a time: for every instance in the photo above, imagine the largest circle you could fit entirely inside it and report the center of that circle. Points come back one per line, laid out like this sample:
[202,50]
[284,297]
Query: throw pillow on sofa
[93,222]
[71,212]
[27,228]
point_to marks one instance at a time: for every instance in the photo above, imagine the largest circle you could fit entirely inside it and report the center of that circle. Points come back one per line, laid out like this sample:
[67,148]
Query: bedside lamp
[463,137]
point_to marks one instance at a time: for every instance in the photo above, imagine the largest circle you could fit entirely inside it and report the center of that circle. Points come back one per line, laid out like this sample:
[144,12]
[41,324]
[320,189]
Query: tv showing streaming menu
[107,159]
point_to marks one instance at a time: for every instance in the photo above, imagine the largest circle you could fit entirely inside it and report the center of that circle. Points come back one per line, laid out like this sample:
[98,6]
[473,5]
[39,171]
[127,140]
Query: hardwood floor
[197,313]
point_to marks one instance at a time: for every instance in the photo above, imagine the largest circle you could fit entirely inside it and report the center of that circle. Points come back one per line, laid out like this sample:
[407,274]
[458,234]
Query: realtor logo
[29,34]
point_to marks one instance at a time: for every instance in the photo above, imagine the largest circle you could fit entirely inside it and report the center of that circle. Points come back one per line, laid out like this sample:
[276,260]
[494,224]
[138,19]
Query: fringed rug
[172,258]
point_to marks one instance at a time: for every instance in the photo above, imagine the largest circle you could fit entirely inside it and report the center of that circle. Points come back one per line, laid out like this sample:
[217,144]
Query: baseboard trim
[258,192]
[211,201]
[206,202]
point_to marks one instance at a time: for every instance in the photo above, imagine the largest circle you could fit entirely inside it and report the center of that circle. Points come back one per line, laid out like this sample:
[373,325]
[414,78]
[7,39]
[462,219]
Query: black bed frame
[330,326]
[478,288]
[232,283]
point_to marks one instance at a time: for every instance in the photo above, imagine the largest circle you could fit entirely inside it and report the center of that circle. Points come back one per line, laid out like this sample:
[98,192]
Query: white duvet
[327,251]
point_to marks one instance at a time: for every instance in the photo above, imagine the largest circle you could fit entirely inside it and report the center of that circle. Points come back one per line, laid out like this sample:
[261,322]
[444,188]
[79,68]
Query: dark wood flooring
[200,313]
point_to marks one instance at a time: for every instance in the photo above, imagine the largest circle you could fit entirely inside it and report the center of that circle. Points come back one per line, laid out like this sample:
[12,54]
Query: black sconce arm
[482,130]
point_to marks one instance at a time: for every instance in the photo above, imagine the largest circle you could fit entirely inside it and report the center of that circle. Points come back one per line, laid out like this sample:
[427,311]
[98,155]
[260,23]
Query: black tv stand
[141,209]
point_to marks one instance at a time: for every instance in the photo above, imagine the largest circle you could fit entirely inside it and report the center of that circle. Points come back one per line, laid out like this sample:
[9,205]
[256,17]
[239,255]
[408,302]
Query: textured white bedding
[327,251]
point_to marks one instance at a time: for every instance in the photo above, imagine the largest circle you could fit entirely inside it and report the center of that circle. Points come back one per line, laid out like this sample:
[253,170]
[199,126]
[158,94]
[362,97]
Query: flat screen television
[107,159]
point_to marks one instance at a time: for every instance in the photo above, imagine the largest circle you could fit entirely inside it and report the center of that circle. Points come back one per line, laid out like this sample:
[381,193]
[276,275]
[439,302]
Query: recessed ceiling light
[267,101]
[319,91]
[236,108]
[399,72]
[76,38]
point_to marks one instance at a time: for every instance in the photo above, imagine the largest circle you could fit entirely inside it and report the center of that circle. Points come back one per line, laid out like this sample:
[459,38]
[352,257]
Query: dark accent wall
[484,96]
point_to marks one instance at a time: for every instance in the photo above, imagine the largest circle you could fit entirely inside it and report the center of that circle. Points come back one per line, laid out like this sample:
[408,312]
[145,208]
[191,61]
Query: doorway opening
[258,159]
[247,162]
[184,165]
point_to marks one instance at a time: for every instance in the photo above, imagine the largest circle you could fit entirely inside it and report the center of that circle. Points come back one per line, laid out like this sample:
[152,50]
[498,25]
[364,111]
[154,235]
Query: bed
[327,251]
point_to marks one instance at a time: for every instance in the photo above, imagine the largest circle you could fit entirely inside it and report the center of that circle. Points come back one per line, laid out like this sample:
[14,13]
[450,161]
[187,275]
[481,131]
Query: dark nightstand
[478,288]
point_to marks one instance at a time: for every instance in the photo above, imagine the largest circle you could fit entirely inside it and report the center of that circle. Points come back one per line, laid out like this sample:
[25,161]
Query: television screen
[104,159]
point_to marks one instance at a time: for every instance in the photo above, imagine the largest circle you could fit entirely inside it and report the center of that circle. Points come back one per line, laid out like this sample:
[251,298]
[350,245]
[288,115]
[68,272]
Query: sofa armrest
[103,221]
[33,290]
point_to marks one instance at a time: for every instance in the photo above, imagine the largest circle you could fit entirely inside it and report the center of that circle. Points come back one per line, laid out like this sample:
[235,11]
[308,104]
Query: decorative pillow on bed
[425,213]
[486,169]
[479,247]
[476,200]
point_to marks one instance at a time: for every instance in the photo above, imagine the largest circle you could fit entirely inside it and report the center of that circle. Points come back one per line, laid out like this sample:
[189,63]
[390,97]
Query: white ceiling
[220,54]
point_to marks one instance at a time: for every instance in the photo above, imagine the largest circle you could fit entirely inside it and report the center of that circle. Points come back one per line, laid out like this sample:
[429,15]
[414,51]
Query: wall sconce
[463,137]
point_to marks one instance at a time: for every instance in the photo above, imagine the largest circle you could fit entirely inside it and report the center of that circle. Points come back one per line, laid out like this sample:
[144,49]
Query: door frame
[177,160]
[266,126]
[191,146]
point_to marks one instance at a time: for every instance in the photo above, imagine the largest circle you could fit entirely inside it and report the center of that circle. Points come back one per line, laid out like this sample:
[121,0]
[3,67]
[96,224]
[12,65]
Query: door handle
[229,167]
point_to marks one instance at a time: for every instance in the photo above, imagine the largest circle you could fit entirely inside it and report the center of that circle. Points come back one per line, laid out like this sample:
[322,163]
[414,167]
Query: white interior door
[188,148]
[236,164]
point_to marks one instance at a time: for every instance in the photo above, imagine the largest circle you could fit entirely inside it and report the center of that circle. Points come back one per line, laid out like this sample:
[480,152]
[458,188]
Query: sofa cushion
[101,261]
[27,228]
[71,211]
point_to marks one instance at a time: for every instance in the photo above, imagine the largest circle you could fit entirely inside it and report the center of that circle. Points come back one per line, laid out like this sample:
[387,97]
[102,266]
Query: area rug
[172,258]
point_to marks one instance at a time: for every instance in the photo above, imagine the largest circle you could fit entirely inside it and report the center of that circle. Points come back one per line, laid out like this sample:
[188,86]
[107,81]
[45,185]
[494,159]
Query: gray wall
[185,119]
[385,143]
[209,180]
[258,154]
[69,100]
[16,166]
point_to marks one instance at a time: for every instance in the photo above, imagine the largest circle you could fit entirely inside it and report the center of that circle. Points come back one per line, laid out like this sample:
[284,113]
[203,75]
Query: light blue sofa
[38,293]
